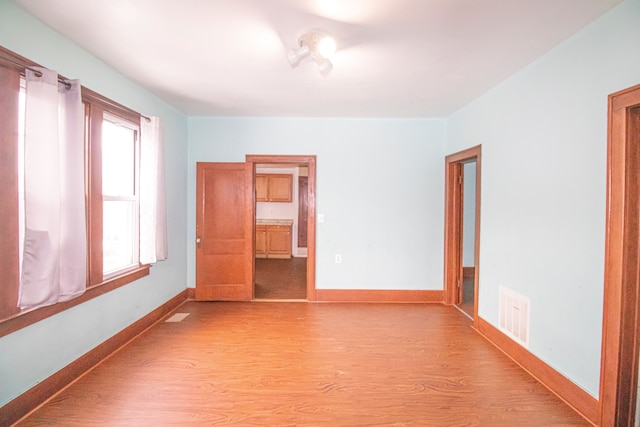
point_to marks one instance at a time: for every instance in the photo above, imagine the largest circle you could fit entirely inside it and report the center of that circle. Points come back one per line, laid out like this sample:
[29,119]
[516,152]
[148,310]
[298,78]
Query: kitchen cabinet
[278,241]
[273,240]
[274,187]
[261,241]
[261,188]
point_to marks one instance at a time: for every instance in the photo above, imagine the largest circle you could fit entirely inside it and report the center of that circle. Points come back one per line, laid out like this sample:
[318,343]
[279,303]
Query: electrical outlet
[338,259]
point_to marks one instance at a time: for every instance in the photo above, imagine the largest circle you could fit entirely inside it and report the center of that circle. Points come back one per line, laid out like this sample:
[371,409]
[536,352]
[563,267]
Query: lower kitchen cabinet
[273,241]
[261,241]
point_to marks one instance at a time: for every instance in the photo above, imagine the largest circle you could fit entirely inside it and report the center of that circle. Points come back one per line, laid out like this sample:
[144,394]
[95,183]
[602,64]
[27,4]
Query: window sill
[28,317]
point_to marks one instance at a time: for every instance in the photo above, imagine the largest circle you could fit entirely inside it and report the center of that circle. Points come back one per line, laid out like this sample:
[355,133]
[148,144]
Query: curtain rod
[115,104]
[62,80]
[38,73]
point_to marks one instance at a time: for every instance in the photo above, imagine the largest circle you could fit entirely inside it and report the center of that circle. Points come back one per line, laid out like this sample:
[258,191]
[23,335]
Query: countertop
[273,221]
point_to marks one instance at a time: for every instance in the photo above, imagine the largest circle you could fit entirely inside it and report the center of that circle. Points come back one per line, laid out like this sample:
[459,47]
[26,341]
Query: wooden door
[453,233]
[222,235]
[303,203]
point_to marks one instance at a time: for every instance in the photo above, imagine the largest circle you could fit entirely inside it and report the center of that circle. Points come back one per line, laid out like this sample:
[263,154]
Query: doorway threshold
[279,300]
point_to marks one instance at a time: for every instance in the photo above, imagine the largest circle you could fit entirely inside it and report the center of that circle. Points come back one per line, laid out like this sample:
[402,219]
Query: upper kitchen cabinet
[274,187]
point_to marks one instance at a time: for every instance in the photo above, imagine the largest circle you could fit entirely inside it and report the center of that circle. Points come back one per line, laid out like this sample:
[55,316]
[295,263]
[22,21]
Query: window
[112,193]
[120,207]
[113,182]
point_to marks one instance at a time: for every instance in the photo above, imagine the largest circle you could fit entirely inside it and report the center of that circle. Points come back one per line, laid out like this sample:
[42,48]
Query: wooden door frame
[310,161]
[619,361]
[453,227]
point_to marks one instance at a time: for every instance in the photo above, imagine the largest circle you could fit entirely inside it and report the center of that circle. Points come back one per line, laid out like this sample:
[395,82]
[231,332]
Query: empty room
[319,212]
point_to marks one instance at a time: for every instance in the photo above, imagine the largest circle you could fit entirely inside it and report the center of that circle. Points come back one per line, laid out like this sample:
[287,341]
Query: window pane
[118,238]
[118,160]
[21,212]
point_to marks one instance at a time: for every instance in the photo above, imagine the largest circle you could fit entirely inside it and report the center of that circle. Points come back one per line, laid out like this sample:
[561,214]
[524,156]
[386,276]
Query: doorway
[281,230]
[291,275]
[462,230]
[621,329]
[468,211]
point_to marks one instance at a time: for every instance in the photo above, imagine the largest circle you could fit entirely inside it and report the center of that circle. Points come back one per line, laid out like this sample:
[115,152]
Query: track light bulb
[326,47]
[324,65]
[296,55]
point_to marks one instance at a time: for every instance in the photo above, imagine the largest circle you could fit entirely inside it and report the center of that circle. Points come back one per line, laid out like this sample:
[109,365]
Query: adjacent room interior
[281,232]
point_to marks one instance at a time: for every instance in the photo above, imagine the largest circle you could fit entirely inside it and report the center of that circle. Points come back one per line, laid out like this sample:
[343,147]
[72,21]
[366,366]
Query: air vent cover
[513,311]
[178,317]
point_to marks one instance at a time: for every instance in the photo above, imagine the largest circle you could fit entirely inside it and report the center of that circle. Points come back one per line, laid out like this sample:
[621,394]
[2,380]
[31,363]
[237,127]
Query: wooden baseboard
[351,295]
[581,401]
[38,394]
[356,295]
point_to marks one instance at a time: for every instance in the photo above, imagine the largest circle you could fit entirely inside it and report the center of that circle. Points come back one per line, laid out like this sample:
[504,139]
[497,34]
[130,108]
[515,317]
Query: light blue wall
[379,187]
[544,136]
[33,353]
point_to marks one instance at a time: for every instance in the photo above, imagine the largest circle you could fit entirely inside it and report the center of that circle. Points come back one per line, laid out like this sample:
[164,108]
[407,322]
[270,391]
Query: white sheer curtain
[153,222]
[54,259]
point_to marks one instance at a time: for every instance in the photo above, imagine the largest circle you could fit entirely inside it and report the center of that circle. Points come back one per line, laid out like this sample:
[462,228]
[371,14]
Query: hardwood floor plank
[309,364]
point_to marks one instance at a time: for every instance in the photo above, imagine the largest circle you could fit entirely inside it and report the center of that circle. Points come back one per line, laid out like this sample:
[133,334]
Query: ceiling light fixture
[319,46]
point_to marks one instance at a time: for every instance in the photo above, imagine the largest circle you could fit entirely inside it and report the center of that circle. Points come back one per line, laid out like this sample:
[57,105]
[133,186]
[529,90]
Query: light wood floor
[258,364]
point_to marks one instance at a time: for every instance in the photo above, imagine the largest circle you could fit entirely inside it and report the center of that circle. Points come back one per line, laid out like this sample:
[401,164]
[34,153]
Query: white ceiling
[395,58]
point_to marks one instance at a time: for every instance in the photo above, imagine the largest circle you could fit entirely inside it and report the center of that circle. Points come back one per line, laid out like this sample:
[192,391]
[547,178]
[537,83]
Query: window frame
[13,318]
[131,121]
[133,198]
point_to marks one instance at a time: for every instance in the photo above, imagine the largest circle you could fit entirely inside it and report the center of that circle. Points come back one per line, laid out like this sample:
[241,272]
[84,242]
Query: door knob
[198,240]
